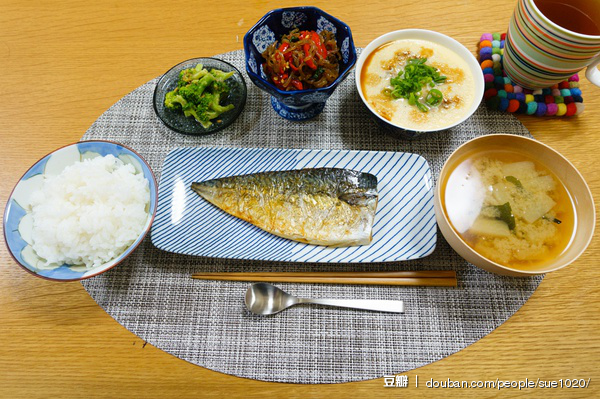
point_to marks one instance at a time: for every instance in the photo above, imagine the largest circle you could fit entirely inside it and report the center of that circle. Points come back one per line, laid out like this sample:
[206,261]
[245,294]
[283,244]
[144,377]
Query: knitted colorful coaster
[563,99]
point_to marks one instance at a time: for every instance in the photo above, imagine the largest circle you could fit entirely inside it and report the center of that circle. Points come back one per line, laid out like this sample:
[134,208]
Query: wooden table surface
[63,63]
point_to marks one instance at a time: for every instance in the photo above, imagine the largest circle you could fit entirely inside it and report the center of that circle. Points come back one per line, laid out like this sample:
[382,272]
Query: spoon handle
[367,304]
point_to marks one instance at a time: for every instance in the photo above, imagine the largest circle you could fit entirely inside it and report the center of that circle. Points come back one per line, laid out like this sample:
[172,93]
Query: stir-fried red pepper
[284,52]
[320,47]
[297,84]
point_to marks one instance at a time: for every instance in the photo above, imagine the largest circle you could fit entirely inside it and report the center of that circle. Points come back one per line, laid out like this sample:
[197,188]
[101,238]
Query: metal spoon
[265,299]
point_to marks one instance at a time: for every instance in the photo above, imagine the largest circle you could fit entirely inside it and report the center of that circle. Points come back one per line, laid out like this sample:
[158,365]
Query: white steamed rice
[90,213]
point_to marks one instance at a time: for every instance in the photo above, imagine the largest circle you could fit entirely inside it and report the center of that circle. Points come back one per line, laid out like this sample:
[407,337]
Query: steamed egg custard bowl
[384,65]
[512,205]
[419,80]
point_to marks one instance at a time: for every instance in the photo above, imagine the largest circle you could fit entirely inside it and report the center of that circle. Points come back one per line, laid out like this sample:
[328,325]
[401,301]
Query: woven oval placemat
[206,323]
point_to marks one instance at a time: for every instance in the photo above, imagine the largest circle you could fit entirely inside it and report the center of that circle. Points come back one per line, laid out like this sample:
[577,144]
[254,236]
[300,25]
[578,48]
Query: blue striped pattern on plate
[405,226]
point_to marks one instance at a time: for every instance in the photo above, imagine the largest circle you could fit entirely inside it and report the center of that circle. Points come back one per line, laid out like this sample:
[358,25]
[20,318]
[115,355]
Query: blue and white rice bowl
[18,223]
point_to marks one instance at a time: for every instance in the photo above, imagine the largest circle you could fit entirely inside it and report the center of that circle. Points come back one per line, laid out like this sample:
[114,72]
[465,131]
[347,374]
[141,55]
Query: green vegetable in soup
[514,181]
[506,215]
[495,220]
[199,93]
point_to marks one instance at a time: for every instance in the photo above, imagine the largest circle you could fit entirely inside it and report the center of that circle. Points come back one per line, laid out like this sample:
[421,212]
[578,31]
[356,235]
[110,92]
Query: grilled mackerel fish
[323,206]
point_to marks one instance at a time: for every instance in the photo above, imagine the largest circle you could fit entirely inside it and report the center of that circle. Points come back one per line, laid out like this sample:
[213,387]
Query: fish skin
[321,206]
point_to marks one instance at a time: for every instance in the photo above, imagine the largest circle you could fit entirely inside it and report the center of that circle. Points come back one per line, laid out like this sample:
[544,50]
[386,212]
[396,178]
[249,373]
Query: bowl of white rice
[80,210]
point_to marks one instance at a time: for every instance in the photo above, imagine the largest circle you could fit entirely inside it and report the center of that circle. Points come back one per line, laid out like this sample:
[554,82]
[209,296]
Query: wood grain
[63,63]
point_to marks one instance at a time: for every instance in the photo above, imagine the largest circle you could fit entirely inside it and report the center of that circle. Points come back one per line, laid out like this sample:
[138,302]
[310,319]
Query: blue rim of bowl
[220,127]
[131,249]
[339,79]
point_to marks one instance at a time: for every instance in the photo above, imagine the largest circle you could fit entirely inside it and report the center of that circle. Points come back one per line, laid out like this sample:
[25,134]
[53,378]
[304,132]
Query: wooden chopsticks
[440,278]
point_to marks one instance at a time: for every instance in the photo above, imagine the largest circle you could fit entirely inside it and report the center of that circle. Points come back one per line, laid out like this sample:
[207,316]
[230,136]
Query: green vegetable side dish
[412,82]
[199,93]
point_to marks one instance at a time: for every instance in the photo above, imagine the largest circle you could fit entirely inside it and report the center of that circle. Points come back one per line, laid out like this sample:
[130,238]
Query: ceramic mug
[539,53]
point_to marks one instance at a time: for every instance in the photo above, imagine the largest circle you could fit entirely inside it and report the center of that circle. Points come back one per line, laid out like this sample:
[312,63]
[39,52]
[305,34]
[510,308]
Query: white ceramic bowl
[555,162]
[435,37]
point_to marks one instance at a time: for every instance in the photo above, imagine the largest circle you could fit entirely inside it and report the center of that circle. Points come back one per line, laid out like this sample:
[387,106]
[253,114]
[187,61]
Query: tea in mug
[581,16]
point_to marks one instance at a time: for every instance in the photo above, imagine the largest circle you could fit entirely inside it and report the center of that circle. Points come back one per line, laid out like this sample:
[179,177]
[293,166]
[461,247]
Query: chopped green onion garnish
[434,97]
[422,107]
[409,83]
[412,99]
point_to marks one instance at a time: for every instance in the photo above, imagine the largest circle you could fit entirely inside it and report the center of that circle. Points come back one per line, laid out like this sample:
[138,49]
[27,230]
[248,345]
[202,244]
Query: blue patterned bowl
[299,104]
[18,223]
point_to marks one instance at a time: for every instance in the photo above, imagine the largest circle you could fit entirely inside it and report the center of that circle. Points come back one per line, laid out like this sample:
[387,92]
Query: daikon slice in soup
[509,208]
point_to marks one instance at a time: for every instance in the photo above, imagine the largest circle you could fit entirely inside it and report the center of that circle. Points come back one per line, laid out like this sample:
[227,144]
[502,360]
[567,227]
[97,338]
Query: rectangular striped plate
[405,226]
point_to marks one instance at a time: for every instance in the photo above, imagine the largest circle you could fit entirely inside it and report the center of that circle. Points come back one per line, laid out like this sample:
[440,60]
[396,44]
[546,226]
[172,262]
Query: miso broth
[509,208]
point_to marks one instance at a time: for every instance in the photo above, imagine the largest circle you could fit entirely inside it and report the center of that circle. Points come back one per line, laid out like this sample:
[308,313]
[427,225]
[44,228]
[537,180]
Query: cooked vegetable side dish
[324,206]
[510,209]
[302,60]
[199,94]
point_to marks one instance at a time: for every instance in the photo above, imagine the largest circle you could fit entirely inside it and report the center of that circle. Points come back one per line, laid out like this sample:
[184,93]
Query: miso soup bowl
[435,37]
[578,189]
